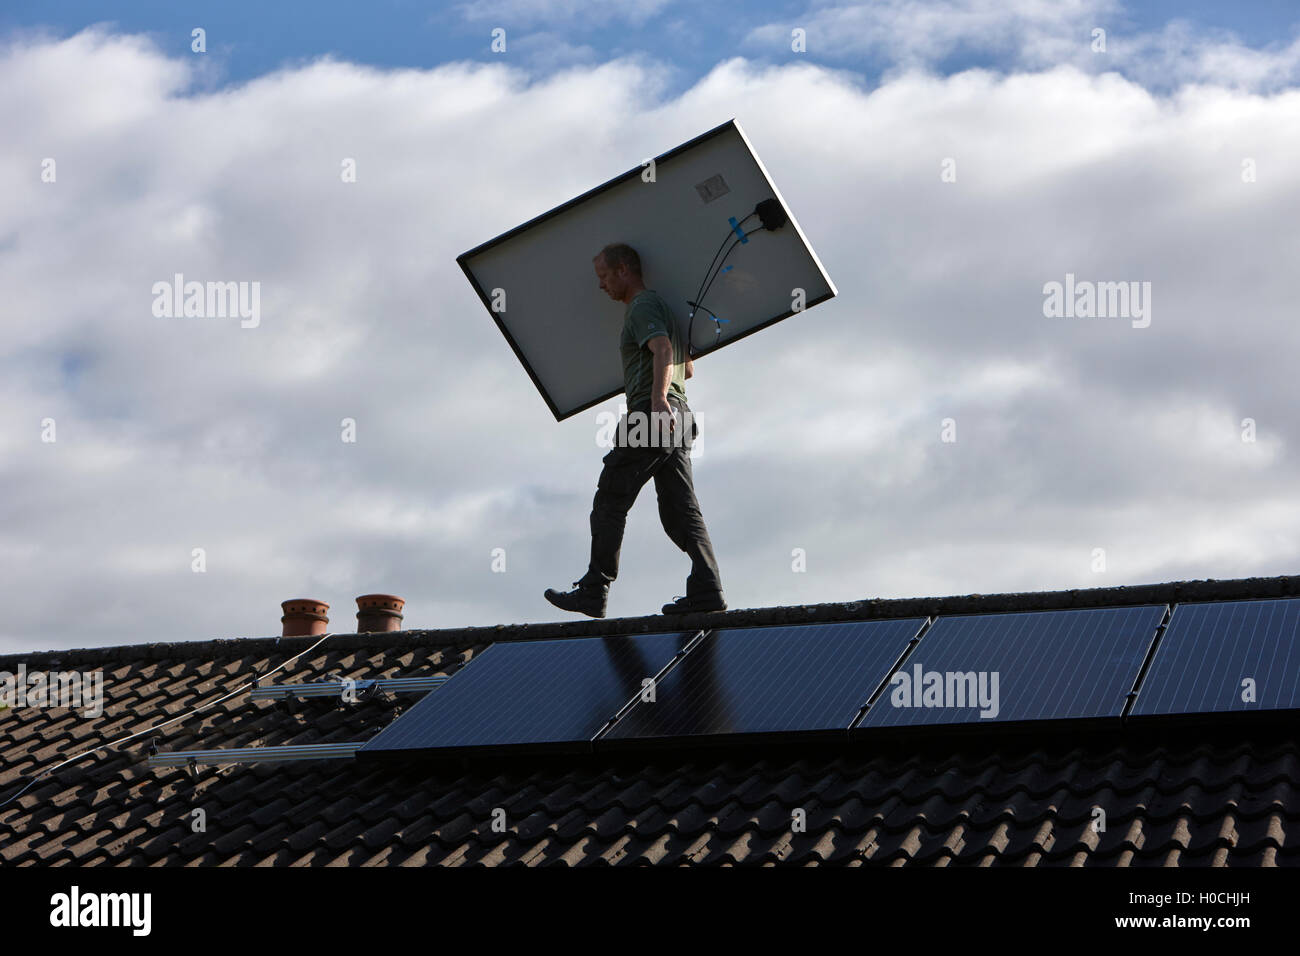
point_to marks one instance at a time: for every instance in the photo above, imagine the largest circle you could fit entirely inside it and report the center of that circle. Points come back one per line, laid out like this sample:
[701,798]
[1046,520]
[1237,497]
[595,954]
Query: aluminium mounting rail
[191,758]
[232,755]
[335,688]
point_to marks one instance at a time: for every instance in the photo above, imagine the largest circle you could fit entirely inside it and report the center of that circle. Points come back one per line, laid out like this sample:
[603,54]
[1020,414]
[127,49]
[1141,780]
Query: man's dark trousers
[627,468]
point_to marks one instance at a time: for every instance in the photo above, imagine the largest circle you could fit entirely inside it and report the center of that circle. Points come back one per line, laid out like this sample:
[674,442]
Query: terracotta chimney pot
[379,612]
[304,616]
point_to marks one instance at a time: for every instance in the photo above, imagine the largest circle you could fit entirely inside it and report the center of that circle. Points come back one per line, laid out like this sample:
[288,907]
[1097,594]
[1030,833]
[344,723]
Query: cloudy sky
[948,160]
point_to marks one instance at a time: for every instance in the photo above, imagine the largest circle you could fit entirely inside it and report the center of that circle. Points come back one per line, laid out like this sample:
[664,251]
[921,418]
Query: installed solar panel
[543,695]
[1214,657]
[1038,665]
[807,679]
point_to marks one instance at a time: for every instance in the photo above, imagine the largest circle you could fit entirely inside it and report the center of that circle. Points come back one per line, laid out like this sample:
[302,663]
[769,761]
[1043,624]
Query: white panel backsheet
[567,330]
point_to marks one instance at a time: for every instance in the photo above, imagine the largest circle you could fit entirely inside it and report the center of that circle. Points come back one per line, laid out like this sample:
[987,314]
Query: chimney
[379,612]
[304,616]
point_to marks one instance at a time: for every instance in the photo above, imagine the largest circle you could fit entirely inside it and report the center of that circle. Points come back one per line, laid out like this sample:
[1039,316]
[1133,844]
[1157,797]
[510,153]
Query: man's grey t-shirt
[645,317]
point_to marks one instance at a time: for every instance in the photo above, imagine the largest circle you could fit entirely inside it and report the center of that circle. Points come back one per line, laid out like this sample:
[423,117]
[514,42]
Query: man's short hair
[621,254]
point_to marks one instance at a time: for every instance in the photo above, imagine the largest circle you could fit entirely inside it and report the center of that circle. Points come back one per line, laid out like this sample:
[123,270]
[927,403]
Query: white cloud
[1186,53]
[901,35]
[821,433]
[912,33]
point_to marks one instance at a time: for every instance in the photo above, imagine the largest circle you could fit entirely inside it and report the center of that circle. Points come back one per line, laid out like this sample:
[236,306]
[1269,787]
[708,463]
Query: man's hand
[659,404]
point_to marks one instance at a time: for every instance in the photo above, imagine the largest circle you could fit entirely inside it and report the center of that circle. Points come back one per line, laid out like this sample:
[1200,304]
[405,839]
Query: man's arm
[690,368]
[663,353]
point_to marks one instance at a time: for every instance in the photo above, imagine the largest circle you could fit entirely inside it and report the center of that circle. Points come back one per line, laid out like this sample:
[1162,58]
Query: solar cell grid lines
[801,680]
[1228,657]
[534,695]
[1077,664]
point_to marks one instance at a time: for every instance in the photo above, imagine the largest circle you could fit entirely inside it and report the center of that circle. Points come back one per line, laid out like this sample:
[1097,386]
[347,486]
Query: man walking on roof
[654,440]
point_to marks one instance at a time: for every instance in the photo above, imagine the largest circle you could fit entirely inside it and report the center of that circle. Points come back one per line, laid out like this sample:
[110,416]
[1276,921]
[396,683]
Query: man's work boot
[708,601]
[585,600]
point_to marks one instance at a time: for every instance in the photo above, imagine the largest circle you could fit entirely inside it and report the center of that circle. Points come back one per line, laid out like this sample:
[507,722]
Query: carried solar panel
[697,202]
[1037,665]
[810,679]
[539,695]
[1214,657]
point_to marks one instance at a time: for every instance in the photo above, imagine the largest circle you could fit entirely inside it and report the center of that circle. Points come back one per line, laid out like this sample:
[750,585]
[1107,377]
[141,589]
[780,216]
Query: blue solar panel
[1210,652]
[806,679]
[542,695]
[1036,665]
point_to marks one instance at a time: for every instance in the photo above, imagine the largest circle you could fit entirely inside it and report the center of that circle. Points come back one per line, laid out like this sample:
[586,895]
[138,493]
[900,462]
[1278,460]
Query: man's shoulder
[649,305]
[647,318]
[648,298]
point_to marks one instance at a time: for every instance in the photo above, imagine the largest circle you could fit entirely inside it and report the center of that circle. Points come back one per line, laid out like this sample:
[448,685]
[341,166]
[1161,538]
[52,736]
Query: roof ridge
[1208,589]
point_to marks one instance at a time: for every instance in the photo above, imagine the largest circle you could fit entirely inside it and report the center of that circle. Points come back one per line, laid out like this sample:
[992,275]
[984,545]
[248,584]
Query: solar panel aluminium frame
[861,733]
[1240,718]
[463,260]
[613,746]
